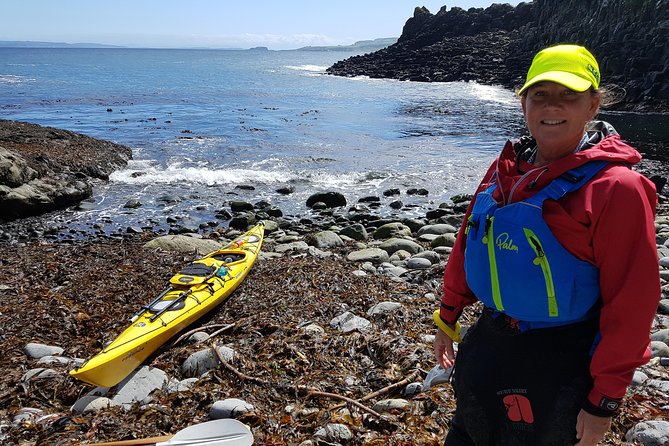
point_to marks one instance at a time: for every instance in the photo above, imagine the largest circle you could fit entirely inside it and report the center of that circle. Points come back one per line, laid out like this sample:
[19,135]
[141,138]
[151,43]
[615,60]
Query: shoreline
[79,294]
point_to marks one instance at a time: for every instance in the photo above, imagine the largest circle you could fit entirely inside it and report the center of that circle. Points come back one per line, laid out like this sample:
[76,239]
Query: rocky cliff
[496,45]
[43,169]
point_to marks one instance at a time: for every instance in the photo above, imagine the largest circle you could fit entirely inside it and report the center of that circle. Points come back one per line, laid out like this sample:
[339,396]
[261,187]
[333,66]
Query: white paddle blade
[225,432]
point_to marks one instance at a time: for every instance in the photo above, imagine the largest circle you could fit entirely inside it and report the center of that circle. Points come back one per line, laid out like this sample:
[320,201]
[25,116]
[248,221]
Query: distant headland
[496,45]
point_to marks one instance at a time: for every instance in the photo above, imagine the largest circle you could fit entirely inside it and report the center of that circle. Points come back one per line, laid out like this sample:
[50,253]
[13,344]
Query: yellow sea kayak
[194,291]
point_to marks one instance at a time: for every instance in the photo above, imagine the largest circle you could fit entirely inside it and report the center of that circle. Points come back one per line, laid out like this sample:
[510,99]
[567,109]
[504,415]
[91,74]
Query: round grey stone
[229,408]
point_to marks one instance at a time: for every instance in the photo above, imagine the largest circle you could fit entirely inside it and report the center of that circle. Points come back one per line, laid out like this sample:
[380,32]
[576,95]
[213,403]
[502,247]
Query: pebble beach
[327,341]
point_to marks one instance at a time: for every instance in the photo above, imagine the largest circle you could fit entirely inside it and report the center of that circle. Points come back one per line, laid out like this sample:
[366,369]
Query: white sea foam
[308,67]
[12,79]
[197,175]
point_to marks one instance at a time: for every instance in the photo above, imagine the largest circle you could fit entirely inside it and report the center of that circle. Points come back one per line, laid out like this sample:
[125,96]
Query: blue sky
[276,24]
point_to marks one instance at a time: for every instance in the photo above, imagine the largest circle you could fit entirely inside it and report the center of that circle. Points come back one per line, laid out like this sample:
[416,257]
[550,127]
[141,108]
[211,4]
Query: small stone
[383,308]
[334,432]
[348,322]
[36,350]
[229,408]
[391,404]
[418,263]
[87,404]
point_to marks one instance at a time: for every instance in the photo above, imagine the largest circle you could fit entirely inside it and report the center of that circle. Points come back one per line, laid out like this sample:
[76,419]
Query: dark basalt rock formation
[43,169]
[496,45]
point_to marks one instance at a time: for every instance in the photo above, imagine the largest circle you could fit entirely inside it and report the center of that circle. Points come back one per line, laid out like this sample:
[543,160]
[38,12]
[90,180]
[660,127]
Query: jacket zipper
[542,261]
[489,239]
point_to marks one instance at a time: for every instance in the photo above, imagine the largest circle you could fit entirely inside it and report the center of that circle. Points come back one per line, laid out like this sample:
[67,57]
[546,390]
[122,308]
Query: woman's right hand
[443,350]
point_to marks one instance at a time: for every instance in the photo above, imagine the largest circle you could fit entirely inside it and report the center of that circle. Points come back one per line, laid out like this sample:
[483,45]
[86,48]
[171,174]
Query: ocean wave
[196,175]
[308,67]
[13,79]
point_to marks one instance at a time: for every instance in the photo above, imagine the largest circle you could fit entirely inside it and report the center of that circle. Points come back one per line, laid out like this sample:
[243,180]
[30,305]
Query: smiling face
[556,117]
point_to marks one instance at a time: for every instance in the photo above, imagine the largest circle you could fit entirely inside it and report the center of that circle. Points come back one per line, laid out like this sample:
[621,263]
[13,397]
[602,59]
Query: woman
[559,245]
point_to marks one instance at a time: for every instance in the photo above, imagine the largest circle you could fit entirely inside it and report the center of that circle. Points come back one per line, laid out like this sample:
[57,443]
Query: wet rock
[286,190]
[436,213]
[417,191]
[240,206]
[330,199]
[243,221]
[274,212]
[132,204]
[223,214]
[170,199]
[43,169]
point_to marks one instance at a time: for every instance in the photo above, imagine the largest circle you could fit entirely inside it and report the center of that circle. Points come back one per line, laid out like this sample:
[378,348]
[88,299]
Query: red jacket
[608,222]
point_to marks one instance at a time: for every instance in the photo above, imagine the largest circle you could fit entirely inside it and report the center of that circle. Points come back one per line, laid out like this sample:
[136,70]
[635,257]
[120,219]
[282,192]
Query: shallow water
[201,123]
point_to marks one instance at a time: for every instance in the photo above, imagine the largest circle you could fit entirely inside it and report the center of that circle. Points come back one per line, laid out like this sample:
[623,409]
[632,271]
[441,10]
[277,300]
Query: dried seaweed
[80,295]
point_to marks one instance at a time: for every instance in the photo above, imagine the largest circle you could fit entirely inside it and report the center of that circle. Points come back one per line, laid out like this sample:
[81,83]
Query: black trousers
[520,388]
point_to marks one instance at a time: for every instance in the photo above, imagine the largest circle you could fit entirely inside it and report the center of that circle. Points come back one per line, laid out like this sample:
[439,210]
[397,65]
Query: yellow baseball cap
[570,65]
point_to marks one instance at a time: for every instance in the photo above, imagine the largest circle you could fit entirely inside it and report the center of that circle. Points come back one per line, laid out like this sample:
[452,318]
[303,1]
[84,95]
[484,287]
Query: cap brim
[569,80]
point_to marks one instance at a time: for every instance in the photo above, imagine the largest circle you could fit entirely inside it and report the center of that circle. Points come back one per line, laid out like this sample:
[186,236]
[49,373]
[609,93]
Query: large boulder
[330,199]
[183,243]
[44,169]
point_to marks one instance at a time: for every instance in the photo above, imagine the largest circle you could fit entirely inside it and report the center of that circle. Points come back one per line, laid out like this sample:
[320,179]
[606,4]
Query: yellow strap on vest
[453,334]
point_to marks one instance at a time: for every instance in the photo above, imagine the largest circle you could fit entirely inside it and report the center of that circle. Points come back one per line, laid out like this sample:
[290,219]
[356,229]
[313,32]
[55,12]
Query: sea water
[201,123]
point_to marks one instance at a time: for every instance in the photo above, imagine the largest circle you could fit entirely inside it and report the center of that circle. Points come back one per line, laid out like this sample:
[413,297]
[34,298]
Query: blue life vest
[516,266]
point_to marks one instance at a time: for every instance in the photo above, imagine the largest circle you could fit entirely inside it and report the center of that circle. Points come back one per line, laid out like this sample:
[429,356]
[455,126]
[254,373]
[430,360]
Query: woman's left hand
[590,429]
